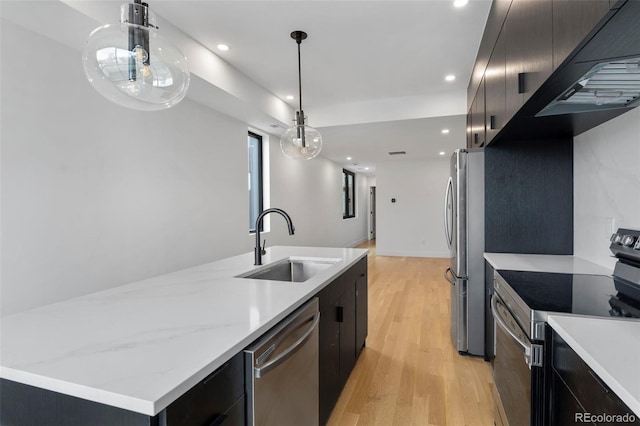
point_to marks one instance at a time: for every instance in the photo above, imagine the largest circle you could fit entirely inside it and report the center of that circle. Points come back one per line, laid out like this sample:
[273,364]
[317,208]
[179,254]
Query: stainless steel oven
[520,304]
[518,371]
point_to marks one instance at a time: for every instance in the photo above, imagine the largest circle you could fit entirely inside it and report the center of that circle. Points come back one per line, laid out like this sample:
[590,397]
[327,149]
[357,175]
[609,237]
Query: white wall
[311,192]
[412,226]
[606,185]
[95,195]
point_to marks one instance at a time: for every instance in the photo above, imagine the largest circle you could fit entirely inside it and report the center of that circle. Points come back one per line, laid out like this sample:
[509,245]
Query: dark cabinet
[572,22]
[24,405]
[218,399]
[495,20]
[478,119]
[495,89]
[343,329]
[329,337]
[548,45]
[362,307]
[577,391]
[214,400]
[346,306]
[529,59]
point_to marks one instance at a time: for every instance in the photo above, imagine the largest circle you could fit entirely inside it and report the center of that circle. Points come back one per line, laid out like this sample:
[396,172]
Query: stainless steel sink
[291,270]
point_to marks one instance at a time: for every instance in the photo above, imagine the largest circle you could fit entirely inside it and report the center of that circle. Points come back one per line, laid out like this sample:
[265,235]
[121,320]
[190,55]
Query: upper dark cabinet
[529,60]
[495,90]
[618,34]
[478,119]
[545,46]
[572,23]
[495,20]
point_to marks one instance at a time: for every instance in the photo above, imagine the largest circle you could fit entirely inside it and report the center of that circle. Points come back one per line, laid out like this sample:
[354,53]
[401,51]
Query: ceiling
[386,59]
[373,72]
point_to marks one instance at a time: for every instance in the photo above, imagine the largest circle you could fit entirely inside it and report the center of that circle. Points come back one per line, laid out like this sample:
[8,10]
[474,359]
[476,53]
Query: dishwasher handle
[532,352]
[287,353]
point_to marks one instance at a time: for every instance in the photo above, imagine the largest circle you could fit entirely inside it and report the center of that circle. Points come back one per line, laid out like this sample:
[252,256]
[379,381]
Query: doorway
[372,213]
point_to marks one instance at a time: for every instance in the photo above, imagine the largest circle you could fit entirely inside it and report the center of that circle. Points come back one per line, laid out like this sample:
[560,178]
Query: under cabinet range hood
[607,85]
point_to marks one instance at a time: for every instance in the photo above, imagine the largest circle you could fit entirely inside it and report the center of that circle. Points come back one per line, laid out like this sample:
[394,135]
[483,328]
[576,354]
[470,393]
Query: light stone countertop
[566,264]
[610,347]
[140,346]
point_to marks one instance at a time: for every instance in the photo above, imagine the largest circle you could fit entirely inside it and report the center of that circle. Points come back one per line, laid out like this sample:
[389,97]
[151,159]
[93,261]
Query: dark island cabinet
[578,395]
[216,400]
[362,307]
[343,330]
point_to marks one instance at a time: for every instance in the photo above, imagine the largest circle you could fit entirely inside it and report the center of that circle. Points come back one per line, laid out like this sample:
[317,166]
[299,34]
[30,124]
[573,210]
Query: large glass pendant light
[300,141]
[132,65]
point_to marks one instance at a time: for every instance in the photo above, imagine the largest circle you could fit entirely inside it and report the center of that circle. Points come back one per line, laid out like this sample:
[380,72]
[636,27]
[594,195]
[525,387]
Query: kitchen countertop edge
[228,270]
[566,264]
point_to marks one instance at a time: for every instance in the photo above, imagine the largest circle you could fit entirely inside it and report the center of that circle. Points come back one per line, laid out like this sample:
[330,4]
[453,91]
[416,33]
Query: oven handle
[532,352]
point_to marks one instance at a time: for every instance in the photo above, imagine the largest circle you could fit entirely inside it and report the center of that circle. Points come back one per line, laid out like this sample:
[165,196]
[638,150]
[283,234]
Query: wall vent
[397,152]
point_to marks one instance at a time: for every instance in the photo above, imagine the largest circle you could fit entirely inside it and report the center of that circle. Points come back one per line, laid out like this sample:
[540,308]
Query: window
[255,179]
[349,194]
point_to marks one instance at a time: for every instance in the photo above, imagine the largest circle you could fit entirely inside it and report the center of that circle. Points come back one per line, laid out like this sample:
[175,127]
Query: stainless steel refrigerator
[464,232]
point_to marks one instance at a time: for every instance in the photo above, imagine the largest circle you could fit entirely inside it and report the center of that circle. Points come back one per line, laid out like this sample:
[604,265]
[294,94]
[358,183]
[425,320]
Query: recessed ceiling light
[460,3]
[348,158]
[366,168]
[442,153]
[450,77]
[445,131]
[223,47]
[290,97]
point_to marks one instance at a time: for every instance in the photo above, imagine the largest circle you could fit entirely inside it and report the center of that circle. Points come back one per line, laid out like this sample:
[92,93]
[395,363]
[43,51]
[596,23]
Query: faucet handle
[263,251]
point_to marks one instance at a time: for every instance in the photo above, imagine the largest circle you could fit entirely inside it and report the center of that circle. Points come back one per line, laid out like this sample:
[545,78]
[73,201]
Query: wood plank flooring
[410,373]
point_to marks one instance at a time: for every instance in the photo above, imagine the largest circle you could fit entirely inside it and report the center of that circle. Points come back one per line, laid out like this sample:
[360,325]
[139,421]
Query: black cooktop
[594,295]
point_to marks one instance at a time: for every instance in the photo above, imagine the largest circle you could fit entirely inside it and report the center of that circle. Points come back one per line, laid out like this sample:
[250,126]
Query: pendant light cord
[300,78]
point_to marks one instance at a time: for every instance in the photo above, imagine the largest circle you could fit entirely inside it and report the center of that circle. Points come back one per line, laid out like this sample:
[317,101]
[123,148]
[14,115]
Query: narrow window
[349,194]
[255,179]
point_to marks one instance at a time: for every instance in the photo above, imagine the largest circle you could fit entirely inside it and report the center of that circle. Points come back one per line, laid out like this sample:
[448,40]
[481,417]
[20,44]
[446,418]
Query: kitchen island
[141,346]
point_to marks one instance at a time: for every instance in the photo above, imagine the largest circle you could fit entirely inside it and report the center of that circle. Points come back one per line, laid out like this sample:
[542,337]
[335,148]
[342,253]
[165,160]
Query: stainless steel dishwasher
[282,372]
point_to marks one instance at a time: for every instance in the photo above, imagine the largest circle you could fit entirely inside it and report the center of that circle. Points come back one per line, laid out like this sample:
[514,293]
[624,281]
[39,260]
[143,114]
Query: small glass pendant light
[131,64]
[300,142]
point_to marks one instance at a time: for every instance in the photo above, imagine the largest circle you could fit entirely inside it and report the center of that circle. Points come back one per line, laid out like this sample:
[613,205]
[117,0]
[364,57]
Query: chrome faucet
[259,251]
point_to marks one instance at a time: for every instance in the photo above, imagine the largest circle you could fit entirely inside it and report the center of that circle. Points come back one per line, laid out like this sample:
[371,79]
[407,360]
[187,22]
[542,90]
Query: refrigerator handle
[447,231]
[448,275]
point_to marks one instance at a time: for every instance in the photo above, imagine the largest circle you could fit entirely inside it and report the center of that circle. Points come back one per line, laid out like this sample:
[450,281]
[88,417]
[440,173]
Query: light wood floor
[409,373]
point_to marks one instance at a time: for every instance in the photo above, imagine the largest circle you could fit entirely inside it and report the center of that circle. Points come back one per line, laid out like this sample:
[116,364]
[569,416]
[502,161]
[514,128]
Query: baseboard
[412,253]
[357,243]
